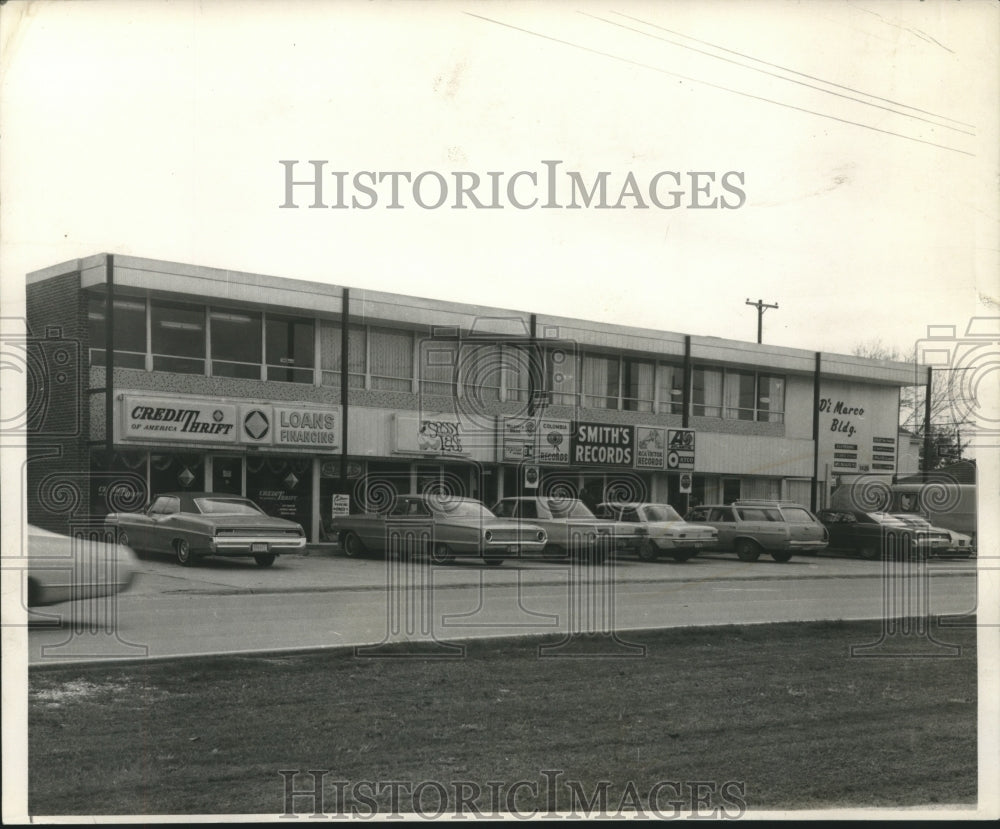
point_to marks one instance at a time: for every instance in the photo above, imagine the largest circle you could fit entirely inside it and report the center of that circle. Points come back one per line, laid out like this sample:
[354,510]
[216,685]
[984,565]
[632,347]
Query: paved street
[320,600]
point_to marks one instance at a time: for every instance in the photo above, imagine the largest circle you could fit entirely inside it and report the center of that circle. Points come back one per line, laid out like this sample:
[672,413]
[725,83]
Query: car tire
[747,550]
[264,559]
[493,561]
[680,558]
[781,556]
[442,554]
[352,546]
[869,552]
[647,550]
[182,550]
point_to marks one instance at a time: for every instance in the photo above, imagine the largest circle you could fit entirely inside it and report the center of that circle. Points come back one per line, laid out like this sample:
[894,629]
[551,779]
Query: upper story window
[481,367]
[740,397]
[670,380]
[770,398]
[438,365]
[706,392]
[177,337]
[330,342]
[289,349]
[130,331]
[601,377]
[236,341]
[391,353]
[561,370]
[637,385]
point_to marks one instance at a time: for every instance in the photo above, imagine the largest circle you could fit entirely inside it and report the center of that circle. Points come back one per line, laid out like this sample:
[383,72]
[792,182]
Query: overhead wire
[750,95]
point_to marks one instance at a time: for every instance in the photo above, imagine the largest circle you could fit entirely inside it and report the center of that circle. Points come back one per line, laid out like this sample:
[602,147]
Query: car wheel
[781,555]
[441,554]
[681,557]
[264,559]
[747,550]
[353,548]
[554,551]
[183,552]
[493,561]
[647,550]
[869,552]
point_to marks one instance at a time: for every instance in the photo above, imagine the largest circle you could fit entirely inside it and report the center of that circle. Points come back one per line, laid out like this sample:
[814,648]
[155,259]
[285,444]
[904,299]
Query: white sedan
[62,569]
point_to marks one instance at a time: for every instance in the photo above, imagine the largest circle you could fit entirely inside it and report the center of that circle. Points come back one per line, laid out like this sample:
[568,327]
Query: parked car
[571,528]
[62,569]
[865,533]
[194,524]
[449,527]
[944,542]
[654,530]
[781,528]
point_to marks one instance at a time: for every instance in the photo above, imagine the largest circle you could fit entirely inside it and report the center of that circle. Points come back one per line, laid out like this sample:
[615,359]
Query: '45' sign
[680,449]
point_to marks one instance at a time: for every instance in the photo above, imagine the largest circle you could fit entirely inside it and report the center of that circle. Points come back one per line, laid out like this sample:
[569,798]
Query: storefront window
[227,474]
[670,380]
[236,344]
[391,359]
[130,331]
[771,399]
[740,395]
[177,334]
[281,487]
[176,472]
[119,483]
[330,341]
[637,386]
[706,392]
[290,355]
[600,381]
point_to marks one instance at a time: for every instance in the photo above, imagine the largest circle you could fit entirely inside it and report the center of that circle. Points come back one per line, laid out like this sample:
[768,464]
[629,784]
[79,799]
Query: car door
[724,521]
[161,530]
[803,527]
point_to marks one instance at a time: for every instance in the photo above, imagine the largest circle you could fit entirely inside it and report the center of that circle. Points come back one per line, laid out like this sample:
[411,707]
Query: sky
[860,139]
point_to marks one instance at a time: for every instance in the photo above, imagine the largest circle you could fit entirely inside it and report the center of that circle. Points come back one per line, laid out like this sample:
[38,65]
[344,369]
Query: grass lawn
[758,717]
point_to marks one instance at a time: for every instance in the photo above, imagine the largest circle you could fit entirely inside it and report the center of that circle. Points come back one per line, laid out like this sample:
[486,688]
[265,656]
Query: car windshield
[884,518]
[660,512]
[463,509]
[562,508]
[227,506]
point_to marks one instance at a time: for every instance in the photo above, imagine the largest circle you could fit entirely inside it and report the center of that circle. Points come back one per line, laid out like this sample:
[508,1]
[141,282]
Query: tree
[946,418]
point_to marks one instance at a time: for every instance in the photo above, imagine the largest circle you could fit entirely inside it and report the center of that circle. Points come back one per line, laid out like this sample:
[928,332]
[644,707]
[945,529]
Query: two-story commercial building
[312,398]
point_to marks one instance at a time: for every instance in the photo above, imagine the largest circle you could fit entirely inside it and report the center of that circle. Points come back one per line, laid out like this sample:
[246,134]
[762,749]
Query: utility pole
[761,308]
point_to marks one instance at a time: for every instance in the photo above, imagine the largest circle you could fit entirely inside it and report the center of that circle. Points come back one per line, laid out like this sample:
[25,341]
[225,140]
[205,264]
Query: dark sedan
[866,533]
[194,524]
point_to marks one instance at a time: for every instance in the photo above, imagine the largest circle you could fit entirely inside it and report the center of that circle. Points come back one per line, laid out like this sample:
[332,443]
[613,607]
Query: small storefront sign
[553,441]
[680,449]
[291,427]
[429,435]
[649,447]
[340,506]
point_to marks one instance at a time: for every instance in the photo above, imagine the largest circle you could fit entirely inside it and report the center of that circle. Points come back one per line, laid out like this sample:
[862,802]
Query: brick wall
[57,406]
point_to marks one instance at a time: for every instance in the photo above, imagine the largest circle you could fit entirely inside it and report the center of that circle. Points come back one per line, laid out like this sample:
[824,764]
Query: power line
[795,72]
[717,86]
[779,77]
